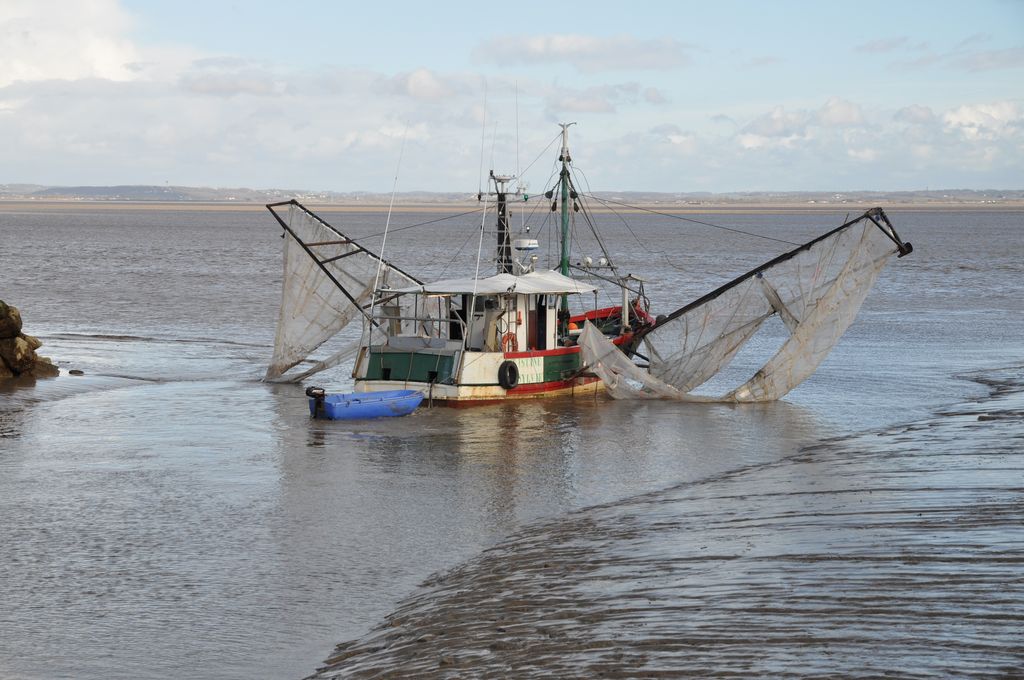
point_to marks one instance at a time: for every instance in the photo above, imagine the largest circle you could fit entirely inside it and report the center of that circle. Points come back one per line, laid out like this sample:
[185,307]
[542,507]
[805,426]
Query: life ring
[508,374]
[509,342]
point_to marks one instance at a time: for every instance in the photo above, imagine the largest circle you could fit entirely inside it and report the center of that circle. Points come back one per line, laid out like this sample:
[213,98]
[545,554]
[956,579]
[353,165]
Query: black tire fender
[508,374]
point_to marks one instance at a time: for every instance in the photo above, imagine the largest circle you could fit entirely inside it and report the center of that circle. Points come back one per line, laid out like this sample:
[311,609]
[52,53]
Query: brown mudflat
[893,553]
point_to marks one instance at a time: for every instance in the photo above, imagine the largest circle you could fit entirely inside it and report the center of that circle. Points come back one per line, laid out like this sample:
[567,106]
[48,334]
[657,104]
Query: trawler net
[328,282]
[816,289]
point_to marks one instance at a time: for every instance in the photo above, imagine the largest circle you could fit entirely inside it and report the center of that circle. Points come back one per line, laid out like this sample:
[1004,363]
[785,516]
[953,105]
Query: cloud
[989,122]
[600,99]
[588,54]
[863,154]
[782,128]
[653,95]
[990,60]
[684,142]
[231,77]
[780,123]
[61,132]
[80,102]
[970,61]
[776,128]
[675,138]
[841,139]
[965,55]
[254,124]
[884,44]
[42,40]
[976,39]
[841,113]
[915,114]
[422,84]
[46,40]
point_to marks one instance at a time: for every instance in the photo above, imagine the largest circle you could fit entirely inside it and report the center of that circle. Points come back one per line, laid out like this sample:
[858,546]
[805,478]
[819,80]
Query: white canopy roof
[542,282]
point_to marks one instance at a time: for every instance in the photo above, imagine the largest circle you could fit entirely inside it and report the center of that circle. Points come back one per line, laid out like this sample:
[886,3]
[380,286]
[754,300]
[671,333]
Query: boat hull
[480,395]
[476,378]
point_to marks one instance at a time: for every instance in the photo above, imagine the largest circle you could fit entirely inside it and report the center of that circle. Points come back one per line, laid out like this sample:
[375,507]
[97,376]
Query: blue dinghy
[362,405]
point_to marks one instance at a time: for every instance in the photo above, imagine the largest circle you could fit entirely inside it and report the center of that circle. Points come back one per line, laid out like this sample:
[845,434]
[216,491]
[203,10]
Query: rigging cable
[480,184]
[542,154]
[547,214]
[606,201]
[597,236]
[387,223]
[422,224]
[455,256]
[480,246]
[626,224]
[593,227]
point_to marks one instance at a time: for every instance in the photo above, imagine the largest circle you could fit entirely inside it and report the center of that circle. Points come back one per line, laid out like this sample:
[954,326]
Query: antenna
[387,223]
[494,140]
[483,136]
[519,175]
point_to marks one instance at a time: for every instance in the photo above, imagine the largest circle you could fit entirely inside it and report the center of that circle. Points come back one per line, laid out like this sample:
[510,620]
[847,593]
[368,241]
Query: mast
[563,181]
[504,253]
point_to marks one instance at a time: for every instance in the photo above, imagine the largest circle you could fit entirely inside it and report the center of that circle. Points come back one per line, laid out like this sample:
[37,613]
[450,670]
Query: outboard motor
[317,394]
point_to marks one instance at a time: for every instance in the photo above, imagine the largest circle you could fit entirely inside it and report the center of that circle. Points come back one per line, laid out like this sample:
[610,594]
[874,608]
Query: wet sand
[897,553]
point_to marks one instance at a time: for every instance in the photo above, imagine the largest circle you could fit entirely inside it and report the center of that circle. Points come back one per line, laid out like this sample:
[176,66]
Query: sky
[678,96]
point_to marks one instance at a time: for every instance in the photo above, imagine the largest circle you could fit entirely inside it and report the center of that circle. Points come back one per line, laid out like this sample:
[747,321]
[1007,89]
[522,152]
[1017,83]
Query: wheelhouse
[424,333]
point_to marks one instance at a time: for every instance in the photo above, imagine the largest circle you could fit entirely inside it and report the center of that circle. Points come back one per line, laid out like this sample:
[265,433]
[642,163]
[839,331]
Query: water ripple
[858,557]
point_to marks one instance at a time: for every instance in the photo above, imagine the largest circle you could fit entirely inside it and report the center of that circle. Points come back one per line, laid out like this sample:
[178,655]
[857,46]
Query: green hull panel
[411,367]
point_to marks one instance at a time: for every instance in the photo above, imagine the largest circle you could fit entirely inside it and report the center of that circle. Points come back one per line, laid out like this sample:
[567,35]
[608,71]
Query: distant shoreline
[723,207]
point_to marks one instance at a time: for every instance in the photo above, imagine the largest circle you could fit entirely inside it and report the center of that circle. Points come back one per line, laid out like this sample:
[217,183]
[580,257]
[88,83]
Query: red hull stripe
[596,314]
[533,388]
[542,352]
[610,311]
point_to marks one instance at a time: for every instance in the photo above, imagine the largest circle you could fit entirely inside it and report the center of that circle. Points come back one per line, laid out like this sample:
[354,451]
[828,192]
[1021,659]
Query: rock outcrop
[18,351]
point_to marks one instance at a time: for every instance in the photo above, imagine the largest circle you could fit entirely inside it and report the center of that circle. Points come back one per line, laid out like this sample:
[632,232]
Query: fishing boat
[514,334]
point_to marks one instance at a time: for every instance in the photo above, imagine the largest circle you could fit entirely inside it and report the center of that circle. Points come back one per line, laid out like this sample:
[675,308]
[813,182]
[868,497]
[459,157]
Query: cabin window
[484,303]
[393,314]
[458,318]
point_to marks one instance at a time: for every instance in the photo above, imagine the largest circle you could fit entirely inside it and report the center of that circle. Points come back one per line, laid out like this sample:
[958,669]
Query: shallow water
[898,553]
[169,515]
